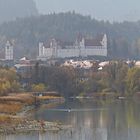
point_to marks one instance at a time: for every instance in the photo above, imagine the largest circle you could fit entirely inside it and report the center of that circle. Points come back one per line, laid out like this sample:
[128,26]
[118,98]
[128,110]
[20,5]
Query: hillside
[11,9]
[112,10]
[123,38]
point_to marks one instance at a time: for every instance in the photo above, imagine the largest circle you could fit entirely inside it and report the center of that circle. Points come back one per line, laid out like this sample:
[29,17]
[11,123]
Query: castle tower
[9,51]
[53,45]
[82,49]
[82,43]
[104,41]
[104,44]
[41,49]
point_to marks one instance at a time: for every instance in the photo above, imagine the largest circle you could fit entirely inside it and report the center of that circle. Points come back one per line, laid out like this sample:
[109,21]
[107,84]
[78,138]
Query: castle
[83,47]
[55,49]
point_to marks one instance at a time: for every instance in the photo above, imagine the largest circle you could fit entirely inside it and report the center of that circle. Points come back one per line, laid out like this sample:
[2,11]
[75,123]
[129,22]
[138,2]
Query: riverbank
[16,125]
[14,109]
[107,95]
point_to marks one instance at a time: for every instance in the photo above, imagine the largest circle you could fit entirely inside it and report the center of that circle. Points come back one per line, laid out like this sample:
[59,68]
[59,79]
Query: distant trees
[111,79]
[117,77]
[61,79]
[116,73]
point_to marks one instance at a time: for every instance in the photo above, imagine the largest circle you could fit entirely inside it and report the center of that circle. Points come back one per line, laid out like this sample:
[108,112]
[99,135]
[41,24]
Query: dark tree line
[61,79]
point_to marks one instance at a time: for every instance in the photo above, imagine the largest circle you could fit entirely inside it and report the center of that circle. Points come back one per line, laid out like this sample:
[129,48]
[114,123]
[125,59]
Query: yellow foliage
[38,88]
[8,81]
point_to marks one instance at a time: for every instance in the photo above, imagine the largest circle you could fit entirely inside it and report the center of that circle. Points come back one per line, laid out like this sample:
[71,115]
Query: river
[90,120]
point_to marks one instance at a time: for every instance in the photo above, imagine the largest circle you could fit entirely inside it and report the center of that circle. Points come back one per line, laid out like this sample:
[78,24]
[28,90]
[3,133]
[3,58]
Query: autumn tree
[38,87]
[133,80]
[8,81]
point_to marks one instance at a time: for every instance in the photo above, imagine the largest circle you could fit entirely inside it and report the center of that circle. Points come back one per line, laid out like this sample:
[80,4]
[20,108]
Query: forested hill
[11,9]
[124,38]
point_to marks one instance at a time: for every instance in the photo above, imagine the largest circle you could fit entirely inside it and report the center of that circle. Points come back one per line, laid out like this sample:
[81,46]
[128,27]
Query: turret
[41,49]
[104,41]
[82,43]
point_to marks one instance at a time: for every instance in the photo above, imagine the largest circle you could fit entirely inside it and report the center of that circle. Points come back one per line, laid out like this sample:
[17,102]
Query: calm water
[91,120]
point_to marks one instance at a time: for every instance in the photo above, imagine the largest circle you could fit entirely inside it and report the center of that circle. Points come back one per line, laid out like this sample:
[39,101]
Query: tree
[38,87]
[115,76]
[133,80]
[8,81]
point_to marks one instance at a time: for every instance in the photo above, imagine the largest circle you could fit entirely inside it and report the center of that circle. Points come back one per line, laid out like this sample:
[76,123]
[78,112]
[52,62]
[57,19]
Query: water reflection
[119,121]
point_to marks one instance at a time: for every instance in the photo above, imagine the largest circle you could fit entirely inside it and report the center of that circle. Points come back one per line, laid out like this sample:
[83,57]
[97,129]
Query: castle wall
[65,53]
[97,52]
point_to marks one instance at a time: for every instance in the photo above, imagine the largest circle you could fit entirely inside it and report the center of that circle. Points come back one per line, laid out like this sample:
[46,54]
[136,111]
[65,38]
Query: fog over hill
[11,9]
[99,9]
[113,10]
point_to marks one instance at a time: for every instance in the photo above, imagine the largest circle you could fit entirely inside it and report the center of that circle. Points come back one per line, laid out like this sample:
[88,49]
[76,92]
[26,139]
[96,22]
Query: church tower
[9,51]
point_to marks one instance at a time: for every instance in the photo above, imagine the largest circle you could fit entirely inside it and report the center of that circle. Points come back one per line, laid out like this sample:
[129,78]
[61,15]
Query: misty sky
[114,10]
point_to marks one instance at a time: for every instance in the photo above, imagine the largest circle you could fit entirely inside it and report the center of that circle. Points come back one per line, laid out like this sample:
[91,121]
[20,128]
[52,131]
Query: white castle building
[83,47]
[9,51]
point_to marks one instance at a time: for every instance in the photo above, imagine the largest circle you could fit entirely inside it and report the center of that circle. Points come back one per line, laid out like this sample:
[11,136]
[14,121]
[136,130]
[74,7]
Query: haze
[113,10]
[12,9]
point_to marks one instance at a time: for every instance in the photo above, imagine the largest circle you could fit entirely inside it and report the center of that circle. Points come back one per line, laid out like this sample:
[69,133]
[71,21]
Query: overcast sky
[113,10]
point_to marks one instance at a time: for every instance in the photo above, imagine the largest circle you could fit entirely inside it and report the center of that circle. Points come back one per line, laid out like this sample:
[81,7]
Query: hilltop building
[9,51]
[83,47]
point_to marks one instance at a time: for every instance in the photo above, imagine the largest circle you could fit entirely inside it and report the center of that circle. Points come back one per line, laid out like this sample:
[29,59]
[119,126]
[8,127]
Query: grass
[10,108]
[8,120]
[48,97]
[14,103]
[5,119]
[21,98]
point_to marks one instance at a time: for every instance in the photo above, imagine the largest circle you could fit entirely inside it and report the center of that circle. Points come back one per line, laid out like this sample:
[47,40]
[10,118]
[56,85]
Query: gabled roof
[64,44]
[94,41]
[60,43]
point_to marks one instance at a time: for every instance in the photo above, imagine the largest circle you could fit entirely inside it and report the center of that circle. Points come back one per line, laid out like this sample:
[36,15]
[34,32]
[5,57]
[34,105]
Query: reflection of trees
[124,117]
[120,121]
[133,114]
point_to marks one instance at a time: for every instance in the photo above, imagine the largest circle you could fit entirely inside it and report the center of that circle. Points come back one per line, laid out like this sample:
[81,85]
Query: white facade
[80,49]
[9,51]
